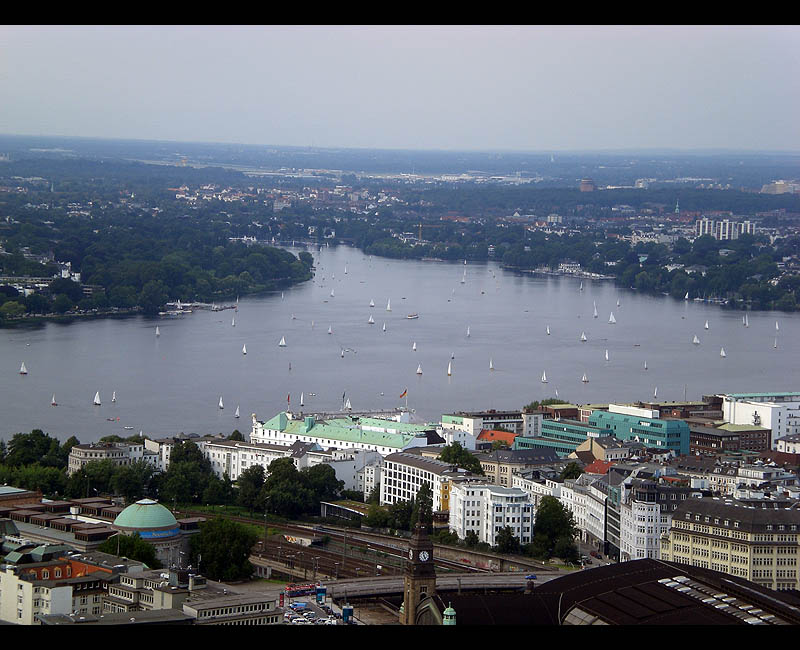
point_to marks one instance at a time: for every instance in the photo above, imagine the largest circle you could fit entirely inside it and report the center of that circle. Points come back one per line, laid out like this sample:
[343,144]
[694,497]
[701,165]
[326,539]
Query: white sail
[746,321]
[22,369]
[282,344]
[544,377]
[491,365]
[301,400]
[384,327]
[452,355]
[281,295]
[330,329]
[371,303]
[419,369]
[645,365]
[775,345]
[342,353]
[347,405]
[556,393]
[371,320]
[179,304]
[706,325]
[96,400]
[332,293]
[158,332]
[53,402]
[655,393]
[414,347]
[449,368]
[389,305]
[583,337]
[113,396]
[244,349]
[581,285]
[585,379]
[776,326]
[594,314]
[236,415]
[696,340]
[467,330]
[233,321]
[611,319]
[220,402]
[293,318]
[312,324]
[345,269]
[606,355]
[548,330]
[722,353]
[617,302]
[686,297]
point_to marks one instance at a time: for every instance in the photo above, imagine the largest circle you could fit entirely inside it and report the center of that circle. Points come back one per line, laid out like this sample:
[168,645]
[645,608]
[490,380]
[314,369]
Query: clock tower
[420,575]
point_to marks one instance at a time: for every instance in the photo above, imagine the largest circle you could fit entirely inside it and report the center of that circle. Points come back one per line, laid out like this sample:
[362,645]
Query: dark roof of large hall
[628,593]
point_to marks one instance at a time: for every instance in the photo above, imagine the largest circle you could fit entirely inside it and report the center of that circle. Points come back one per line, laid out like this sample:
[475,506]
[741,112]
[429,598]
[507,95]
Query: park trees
[458,455]
[225,548]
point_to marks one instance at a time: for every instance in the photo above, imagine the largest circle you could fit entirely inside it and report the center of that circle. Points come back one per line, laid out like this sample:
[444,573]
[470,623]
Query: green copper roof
[145,514]
[347,429]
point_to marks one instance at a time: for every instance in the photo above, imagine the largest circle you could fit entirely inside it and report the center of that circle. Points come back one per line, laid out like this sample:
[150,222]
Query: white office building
[485,509]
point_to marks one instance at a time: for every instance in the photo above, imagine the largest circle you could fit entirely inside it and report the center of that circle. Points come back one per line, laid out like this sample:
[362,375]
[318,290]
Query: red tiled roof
[598,467]
[503,436]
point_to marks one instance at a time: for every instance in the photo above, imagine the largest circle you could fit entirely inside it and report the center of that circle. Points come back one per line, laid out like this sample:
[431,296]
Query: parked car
[596,554]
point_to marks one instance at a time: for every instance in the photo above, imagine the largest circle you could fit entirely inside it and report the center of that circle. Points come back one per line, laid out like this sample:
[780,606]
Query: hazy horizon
[514,89]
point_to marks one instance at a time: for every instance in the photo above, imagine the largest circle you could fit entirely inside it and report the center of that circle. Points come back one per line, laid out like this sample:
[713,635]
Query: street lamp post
[336,564]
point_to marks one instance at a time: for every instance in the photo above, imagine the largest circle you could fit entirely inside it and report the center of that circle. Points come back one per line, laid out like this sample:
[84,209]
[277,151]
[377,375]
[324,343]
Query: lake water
[173,383]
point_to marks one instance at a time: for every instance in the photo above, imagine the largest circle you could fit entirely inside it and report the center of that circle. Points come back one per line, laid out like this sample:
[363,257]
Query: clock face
[423,556]
[411,554]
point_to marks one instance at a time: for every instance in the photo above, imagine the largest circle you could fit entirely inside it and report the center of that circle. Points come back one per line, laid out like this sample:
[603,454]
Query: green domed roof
[145,514]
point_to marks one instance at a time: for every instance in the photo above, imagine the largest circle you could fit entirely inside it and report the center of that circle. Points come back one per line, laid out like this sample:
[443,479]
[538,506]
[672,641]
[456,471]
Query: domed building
[156,525]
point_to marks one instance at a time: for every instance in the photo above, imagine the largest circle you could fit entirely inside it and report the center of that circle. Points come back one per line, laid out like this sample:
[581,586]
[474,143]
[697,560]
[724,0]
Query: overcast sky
[473,88]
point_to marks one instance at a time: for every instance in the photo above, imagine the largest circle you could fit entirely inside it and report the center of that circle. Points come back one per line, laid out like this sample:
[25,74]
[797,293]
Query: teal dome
[149,518]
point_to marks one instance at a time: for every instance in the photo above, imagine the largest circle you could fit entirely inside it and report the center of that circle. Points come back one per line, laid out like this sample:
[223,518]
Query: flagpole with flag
[288,400]
[405,394]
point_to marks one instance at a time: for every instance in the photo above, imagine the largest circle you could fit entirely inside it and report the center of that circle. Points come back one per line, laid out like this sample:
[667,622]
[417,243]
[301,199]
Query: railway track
[389,556]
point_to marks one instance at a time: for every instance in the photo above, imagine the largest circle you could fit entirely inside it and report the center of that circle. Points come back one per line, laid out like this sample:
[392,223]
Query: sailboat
[746,321]
[776,326]
[236,415]
[113,396]
[384,327]
[281,295]
[464,277]
[450,369]
[706,325]
[244,349]
[686,297]
[696,340]
[347,405]
[544,377]
[419,369]
[583,337]
[594,315]
[53,402]
[775,345]
[96,400]
[389,305]
[371,320]
[467,331]
[312,324]
[655,393]
[371,303]
[452,355]
[611,319]
[585,379]
[233,322]
[414,347]
[645,365]
[606,355]
[556,393]
[617,302]
[342,353]
[158,332]
[581,289]
[330,329]
[293,317]
[548,330]
[220,402]
[722,353]
[282,344]
[331,293]
[491,365]
[301,400]
[22,369]
[345,269]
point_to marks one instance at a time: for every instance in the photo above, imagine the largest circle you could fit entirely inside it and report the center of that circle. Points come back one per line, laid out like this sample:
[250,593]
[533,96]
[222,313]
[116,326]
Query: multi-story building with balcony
[485,509]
